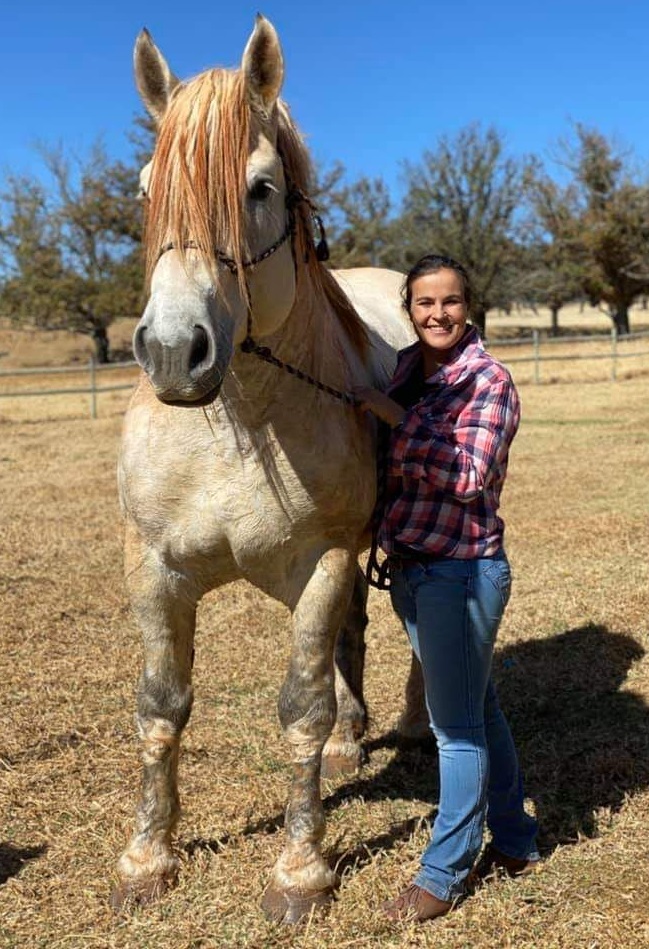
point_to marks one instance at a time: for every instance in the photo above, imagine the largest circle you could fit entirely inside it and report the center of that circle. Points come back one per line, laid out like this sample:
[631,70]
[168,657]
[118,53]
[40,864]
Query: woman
[453,411]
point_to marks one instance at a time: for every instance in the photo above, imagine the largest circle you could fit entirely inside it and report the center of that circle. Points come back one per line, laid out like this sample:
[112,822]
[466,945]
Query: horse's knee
[307,707]
[164,701]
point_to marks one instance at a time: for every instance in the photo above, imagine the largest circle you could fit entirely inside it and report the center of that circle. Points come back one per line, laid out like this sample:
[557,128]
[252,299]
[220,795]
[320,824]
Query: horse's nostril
[200,347]
[140,348]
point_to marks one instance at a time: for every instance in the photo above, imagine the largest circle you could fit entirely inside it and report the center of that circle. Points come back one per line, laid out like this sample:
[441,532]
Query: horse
[247,459]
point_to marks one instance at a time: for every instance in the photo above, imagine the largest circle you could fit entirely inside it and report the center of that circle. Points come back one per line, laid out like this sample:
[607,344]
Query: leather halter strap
[230,262]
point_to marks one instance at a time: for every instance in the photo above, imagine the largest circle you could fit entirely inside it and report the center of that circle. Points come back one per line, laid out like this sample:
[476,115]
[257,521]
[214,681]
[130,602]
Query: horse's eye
[261,190]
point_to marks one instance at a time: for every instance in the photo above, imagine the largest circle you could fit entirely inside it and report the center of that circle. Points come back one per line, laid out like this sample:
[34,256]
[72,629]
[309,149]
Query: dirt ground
[571,666]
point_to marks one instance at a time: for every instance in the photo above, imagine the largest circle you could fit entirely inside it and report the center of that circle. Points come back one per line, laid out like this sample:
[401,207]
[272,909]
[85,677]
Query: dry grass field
[572,667]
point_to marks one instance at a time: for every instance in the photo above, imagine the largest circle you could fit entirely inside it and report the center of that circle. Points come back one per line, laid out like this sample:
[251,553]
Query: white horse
[231,467]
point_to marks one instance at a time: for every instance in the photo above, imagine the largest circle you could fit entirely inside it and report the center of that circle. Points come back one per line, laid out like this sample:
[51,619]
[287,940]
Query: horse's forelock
[198,184]
[198,180]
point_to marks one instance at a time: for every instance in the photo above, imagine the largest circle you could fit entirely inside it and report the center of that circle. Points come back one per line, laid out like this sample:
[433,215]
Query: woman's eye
[261,190]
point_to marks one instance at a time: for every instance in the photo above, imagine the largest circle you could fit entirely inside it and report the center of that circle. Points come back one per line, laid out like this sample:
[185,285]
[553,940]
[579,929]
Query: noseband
[249,344]
[293,198]
[230,262]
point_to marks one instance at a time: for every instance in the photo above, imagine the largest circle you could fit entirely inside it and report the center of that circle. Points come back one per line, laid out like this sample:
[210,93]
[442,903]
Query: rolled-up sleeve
[458,458]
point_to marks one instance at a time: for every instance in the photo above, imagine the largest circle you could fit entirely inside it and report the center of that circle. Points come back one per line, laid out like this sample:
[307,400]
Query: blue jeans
[451,610]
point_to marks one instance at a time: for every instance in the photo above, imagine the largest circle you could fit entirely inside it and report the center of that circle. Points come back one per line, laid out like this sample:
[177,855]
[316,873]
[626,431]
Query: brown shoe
[415,904]
[493,861]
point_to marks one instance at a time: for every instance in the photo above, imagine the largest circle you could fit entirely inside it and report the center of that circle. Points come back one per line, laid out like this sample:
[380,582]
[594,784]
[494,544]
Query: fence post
[537,358]
[93,388]
[613,353]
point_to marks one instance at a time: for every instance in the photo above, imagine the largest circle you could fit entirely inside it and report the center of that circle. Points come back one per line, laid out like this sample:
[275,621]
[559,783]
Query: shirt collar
[449,373]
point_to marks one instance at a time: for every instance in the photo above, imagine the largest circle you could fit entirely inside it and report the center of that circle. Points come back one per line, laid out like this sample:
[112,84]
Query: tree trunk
[479,320]
[102,346]
[554,327]
[621,319]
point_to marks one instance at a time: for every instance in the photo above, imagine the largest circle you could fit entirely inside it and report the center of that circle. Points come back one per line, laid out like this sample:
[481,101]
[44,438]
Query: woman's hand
[381,405]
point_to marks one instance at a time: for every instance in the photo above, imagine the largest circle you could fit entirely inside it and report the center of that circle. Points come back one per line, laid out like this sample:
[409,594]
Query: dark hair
[431,263]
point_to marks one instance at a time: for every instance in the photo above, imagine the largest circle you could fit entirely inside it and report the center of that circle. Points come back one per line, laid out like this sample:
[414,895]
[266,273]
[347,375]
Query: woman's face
[438,312]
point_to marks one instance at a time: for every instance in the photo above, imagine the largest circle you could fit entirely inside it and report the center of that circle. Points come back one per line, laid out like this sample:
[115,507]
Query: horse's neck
[312,340]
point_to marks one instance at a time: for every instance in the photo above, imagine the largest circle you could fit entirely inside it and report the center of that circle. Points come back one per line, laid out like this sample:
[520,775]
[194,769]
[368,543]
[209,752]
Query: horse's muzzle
[184,369]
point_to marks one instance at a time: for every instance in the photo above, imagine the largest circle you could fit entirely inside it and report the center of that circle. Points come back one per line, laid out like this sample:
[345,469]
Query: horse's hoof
[129,894]
[334,766]
[291,906]
[414,733]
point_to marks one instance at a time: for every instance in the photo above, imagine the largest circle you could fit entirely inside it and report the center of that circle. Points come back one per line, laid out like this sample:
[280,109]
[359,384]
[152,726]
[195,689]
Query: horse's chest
[240,498]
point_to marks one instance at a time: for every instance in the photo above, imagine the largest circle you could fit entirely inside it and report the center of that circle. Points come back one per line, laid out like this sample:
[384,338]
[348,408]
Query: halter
[230,262]
[249,345]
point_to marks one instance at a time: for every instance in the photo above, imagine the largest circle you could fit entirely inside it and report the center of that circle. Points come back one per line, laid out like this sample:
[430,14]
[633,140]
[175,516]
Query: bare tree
[71,254]
[365,235]
[598,222]
[461,201]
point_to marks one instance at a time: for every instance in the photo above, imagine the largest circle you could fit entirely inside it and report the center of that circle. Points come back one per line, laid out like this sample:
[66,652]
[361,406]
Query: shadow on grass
[13,859]
[583,744]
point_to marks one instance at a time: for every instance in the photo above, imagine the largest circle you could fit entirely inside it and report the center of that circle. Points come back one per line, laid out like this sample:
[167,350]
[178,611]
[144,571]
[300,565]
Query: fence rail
[93,370]
[613,355]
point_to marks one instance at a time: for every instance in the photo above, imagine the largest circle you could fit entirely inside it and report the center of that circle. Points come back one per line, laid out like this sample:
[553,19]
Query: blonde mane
[198,186]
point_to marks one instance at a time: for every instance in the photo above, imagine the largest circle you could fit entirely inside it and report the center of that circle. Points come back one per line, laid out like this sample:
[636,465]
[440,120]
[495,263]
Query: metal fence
[613,355]
[93,371]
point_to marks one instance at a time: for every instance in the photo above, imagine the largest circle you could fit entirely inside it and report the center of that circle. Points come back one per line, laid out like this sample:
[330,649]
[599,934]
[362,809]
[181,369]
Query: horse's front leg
[301,877]
[165,609]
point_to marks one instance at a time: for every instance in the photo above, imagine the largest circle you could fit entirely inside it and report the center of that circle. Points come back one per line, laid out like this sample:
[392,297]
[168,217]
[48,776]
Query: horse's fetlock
[145,858]
[301,866]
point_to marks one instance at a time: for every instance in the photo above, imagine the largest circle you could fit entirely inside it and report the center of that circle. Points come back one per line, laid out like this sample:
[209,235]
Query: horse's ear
[155,81]
[263,65]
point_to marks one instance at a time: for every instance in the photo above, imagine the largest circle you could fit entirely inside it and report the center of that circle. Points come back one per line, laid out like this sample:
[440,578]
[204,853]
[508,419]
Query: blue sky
[370,84]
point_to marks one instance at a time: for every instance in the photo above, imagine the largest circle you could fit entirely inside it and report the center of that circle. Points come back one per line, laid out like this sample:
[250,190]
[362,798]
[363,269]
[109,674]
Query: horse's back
[376,295]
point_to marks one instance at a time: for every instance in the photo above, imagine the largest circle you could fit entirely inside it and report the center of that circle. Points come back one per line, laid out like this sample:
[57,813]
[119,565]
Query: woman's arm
[459,458]
[381,405]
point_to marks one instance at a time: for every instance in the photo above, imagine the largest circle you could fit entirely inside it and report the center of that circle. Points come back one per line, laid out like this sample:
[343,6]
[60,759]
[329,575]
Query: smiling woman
[453,411]
[437,296]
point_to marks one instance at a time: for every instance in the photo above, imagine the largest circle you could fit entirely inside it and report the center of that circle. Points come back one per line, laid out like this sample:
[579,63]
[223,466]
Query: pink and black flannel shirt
[446,461]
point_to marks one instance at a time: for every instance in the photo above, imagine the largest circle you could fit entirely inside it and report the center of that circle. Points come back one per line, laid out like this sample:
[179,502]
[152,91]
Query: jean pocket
[498,573]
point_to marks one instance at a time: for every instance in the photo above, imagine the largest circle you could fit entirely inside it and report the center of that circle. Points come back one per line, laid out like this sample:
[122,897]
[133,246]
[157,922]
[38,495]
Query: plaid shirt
[446,461]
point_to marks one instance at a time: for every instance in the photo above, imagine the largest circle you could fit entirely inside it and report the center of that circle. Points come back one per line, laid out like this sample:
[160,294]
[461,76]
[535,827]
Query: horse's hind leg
[166,614]
[413,725]
[342,752]
[301,877]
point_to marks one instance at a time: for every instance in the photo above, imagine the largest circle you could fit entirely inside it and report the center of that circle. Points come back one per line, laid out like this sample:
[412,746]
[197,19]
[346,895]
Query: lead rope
[250,345]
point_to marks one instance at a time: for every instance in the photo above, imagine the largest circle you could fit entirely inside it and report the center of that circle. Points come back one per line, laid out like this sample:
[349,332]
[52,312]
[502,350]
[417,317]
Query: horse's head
[220,215]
